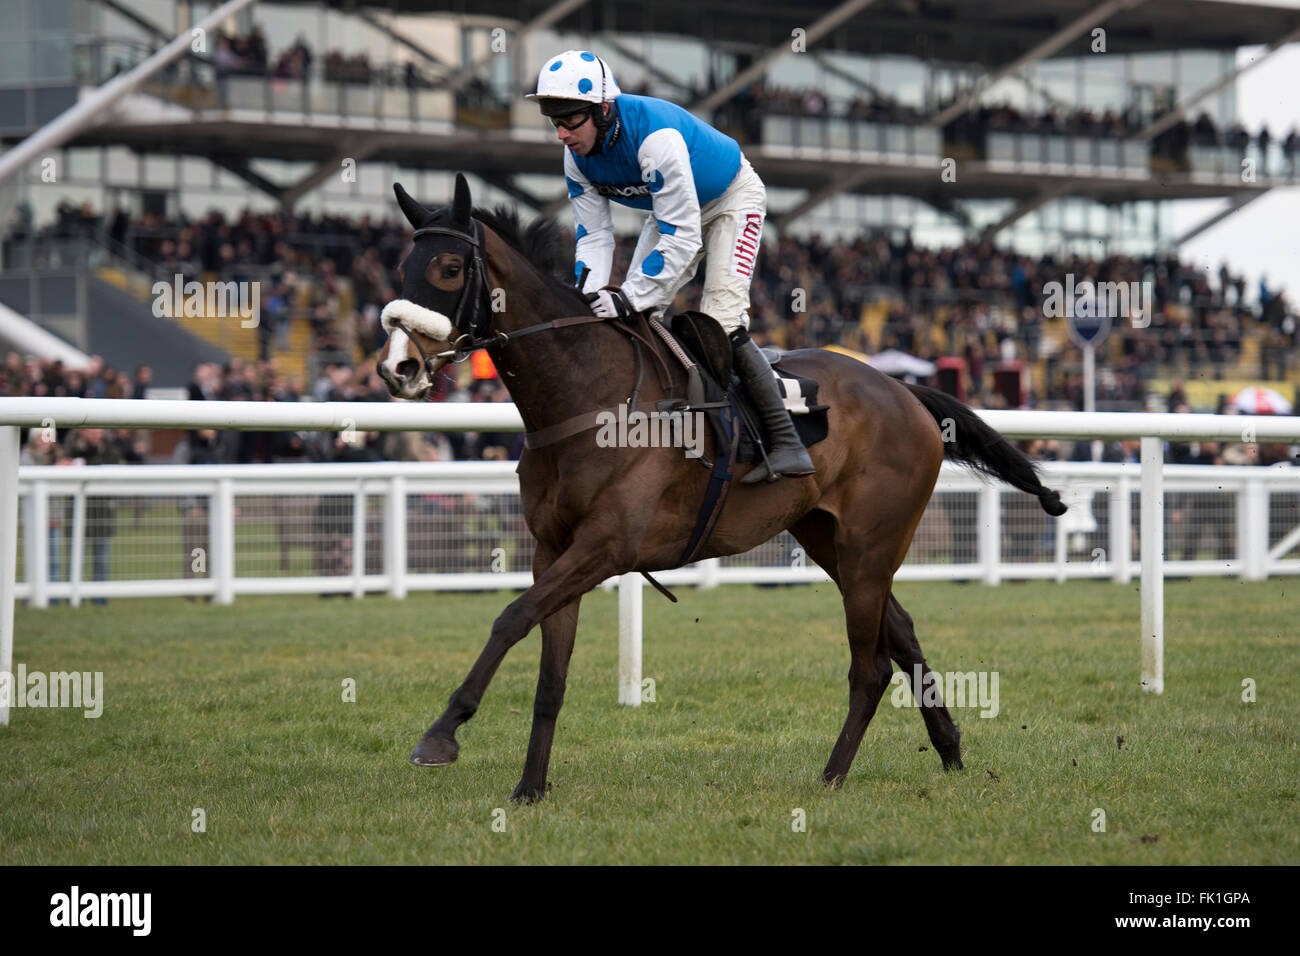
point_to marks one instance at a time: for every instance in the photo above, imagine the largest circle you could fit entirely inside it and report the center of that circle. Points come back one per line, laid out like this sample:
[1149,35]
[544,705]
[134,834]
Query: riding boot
[787,456]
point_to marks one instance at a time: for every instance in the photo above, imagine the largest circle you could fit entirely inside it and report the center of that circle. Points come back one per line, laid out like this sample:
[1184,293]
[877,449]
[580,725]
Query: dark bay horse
[478,279]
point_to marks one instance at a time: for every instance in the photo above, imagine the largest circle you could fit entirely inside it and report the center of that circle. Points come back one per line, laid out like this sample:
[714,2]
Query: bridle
[472,318]
[473,315]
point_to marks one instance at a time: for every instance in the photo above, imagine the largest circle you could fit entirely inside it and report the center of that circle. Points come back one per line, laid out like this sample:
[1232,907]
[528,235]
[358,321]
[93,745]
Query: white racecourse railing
[394,482]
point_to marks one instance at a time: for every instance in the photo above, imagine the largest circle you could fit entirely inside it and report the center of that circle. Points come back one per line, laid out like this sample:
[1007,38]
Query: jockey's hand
[610,303]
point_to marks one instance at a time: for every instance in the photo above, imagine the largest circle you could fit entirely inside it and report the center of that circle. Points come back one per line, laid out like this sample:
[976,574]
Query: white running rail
[1153,429]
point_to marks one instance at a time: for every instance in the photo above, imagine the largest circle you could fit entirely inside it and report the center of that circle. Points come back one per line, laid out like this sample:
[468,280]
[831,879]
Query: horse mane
[542,243]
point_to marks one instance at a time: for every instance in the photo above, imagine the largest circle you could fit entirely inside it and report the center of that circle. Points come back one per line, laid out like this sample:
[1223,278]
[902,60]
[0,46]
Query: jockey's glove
[610,303]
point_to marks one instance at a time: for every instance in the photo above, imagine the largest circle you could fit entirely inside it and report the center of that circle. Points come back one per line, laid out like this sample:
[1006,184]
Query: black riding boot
[787,456]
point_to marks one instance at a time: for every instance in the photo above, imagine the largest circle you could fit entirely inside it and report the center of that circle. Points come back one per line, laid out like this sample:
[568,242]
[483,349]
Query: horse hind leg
[865,597]
[905,649]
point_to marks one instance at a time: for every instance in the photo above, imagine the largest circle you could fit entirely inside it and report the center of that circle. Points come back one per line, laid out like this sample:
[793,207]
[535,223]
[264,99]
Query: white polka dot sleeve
[593,226]
[666,166]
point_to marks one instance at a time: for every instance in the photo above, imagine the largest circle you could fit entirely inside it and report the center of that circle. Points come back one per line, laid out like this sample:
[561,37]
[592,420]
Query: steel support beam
[1235,205]
[93,109]
[1025,208]
[823,26]
[507,185]
[289,195]
[390,31]
[847,75]
[1048,47]
[840,184]
[239,166]
[1179,112]
[122,10]
[551,15]
[659,73]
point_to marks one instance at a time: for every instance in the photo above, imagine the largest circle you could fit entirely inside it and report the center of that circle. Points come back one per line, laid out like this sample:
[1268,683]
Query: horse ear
[461,206]
[415,214]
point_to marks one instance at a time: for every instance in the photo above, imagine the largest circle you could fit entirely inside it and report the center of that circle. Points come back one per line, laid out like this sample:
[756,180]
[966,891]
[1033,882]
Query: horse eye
[452,272]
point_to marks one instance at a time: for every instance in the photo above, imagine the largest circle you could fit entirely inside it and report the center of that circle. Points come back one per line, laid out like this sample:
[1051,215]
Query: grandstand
[266,154]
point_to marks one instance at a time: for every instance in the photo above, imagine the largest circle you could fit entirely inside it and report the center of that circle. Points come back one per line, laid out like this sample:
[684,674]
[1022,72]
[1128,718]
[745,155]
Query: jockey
[702,196]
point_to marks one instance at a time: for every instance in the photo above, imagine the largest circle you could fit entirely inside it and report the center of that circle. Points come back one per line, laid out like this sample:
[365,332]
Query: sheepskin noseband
[416,318]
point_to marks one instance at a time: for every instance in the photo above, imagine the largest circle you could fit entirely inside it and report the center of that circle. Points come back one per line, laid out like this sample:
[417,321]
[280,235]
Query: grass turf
[238,710]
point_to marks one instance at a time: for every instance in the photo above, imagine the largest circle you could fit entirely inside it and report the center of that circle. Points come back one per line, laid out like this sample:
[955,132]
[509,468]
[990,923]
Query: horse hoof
[952,762]
[435,752]
[833,781]
[526,793]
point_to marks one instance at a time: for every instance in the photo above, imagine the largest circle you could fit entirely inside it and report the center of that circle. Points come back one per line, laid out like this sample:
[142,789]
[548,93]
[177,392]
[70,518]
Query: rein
[473,322]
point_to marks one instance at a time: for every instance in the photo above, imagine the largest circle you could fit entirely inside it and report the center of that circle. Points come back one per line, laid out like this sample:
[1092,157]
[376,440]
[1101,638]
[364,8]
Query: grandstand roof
[965,31]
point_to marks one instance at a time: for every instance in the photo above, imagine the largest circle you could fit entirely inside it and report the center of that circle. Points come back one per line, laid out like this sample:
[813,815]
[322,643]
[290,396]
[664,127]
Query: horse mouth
[410,390]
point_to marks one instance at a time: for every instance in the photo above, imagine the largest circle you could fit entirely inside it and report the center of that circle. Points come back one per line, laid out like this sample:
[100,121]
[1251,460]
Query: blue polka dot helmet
[576,77]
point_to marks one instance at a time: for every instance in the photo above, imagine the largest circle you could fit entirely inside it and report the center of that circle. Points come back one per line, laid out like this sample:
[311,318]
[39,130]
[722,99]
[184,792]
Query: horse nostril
[407,368]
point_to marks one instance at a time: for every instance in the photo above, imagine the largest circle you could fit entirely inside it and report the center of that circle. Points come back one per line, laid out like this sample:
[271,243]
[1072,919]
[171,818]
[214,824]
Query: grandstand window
[903,78]
[123,166]
[159,172]
[195,173]
[81,164]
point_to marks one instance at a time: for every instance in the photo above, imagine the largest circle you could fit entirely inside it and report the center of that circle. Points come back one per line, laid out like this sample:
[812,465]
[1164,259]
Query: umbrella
[1260,401]
[894,362]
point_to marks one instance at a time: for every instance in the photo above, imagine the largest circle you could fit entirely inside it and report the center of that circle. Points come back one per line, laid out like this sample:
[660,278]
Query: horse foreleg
[558,632]
[573,574]
[906,650]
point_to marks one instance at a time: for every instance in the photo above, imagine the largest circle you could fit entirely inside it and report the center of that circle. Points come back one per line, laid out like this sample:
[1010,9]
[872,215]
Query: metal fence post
[221,562]
[629,639]
[1254,519]
[9,451]
[395,537]
[77,557]
[990,533]
[359,540]
[36,529]
[1153,565]
[1121,530]
[709,573]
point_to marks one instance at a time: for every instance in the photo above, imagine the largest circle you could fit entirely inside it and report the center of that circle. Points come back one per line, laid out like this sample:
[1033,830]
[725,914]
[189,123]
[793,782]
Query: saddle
[707,345]
[704,351]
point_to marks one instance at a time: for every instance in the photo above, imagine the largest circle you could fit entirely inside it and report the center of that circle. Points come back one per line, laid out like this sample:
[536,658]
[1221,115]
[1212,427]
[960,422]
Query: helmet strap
[603,123]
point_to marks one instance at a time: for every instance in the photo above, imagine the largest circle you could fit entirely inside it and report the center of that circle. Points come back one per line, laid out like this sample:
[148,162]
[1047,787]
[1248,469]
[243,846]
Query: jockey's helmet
[572,80]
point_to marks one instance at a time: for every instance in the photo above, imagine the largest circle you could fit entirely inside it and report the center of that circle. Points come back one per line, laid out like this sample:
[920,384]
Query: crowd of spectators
[986,305]
[300,259]
[46,378]
[239,380]
[975,300]
[744,114]
[248,55]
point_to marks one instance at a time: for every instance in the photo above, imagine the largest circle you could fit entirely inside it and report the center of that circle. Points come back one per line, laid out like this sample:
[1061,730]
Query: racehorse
[477,279]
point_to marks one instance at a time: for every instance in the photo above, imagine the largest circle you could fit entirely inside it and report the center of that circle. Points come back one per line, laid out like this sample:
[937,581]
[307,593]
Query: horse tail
[977,446]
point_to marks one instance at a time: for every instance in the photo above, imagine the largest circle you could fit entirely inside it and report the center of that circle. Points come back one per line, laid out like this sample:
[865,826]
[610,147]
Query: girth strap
[715,497]
[578,424]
